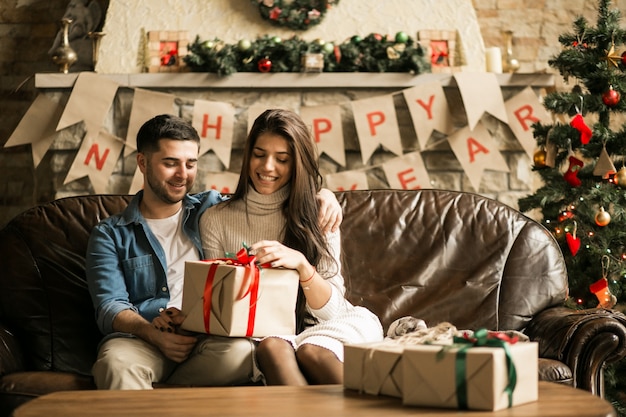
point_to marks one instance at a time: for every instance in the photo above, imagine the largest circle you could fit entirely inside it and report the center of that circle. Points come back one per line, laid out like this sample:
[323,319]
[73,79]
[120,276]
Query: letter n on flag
[376,124]
[407,172]
[476,150]
[325,125]
[96,158]
[346,181]
[215,122]
[523,110]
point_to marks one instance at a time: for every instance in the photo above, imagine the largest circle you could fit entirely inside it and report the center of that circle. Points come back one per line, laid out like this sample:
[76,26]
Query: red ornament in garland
[610,97]
[264,65]
[624,58]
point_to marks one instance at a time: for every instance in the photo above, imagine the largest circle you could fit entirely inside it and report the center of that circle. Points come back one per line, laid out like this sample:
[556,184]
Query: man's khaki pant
[132,363]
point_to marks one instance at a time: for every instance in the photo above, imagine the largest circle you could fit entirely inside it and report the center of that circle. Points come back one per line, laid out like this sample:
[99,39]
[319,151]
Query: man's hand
[331,215]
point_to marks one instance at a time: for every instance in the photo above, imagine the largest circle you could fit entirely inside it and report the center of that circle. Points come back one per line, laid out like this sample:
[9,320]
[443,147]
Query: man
[135,264]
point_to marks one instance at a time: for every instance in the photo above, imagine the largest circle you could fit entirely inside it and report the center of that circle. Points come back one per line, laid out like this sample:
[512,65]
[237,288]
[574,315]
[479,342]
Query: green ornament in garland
[294,14]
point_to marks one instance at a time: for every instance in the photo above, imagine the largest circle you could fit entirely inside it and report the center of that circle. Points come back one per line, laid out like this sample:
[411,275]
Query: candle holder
[95,38]
[509,62]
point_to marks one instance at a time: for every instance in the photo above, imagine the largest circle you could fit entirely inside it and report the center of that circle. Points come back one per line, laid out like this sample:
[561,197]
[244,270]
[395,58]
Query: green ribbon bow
[482,337]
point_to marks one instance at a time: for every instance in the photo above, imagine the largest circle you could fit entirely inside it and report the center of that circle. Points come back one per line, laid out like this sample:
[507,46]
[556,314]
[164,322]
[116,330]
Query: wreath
[294,14]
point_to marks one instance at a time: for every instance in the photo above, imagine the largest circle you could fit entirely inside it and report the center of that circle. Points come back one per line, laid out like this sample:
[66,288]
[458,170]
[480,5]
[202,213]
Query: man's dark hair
[164,126]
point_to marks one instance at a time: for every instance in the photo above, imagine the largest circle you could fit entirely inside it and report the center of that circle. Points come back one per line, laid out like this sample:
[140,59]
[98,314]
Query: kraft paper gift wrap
[225,298]
[429,378]
[374,368]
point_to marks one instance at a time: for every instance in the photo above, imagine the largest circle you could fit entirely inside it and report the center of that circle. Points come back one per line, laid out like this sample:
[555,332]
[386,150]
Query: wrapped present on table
[374,368]
[236,297]
[484,372]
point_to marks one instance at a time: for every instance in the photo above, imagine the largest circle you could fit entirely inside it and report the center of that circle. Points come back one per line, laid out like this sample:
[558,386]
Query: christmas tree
[582,162]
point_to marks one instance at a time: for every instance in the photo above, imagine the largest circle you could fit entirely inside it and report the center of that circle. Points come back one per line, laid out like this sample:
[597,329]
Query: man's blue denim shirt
[126,265]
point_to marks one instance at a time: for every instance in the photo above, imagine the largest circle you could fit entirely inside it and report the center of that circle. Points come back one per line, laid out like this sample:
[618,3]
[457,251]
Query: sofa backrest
[448,256]
[436,255]
[44,300]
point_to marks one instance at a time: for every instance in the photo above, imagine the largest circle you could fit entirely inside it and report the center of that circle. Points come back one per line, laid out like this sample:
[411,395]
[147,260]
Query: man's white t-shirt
[178,248]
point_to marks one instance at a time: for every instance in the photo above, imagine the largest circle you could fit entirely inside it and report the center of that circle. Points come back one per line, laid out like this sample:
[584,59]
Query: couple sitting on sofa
[135,263]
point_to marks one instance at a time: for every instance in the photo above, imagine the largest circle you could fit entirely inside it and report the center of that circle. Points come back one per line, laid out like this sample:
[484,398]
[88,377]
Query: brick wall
[28,27]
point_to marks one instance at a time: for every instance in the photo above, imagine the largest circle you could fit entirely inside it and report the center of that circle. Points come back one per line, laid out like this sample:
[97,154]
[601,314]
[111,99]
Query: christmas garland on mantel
[294,14]
[373,53]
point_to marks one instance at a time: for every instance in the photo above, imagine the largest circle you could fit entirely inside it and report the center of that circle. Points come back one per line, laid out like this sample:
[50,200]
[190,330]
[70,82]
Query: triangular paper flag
[215,123]
[137,183]
[325,125]
[90,101]
[376,124]
[477,151]
[429,110]
[146,105]
[523,110]
[407,172]
[481,93]
[347,180]
[224,182]
[37,127]
[96,159]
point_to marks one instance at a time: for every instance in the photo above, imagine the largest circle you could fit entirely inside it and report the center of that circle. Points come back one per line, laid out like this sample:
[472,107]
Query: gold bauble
[539,158]
[620,177]
[603,217]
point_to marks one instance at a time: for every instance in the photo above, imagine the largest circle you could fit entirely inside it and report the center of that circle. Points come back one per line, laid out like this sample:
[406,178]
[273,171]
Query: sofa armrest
[585,340]
[10,354]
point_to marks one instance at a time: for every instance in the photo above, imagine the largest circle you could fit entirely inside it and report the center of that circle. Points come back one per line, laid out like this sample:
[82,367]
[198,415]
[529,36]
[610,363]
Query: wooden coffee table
[312,401]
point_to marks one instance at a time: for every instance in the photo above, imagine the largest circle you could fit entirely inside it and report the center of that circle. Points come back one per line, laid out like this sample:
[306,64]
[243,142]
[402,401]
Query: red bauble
[264,65]
[624,58]
[610,97]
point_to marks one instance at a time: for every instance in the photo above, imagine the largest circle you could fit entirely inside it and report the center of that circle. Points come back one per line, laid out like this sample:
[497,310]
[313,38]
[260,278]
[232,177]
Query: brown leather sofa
[432,254]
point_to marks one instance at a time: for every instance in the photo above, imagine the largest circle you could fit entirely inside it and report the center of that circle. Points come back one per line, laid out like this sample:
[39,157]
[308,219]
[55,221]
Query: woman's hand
[278,255]
[331,215]
[169,320]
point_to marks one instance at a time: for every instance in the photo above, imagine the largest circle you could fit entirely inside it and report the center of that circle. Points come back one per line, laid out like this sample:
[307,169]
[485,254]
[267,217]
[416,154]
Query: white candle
[494,60]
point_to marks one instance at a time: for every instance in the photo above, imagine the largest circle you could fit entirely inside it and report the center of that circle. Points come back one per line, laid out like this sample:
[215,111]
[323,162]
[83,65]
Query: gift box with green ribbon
[237,297]
[485,371]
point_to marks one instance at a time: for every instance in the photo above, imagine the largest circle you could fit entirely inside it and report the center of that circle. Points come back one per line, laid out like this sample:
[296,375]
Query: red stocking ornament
[579,124]
[573,242]
[571,176]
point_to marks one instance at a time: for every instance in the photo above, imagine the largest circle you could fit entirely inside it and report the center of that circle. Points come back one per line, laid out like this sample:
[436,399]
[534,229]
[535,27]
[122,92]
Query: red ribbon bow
[249,286]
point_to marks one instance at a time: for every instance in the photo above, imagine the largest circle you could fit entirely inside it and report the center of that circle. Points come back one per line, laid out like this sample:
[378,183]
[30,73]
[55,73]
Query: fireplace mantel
[274,81]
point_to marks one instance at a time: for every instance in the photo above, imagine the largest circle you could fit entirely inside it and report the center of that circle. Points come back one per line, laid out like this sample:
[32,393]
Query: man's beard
[161,191]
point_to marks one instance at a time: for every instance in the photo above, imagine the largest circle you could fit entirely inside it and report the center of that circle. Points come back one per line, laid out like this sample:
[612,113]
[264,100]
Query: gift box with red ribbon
[238,298]
[486,371]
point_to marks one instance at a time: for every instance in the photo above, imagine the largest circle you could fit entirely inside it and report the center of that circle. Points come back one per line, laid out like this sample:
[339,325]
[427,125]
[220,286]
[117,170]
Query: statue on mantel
[85,16]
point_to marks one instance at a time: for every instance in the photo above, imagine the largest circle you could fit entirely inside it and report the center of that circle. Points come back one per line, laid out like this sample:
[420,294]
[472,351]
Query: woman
[272,208]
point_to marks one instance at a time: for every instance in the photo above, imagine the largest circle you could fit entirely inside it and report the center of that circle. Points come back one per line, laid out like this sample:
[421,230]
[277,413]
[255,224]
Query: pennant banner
[374,119]
[376,124]
[429,111]
[407,172]
[146,105]
[347,180]
[476,151]
[215,123]
[481,93]
[325,123]
[37,127]
[523,110]
[137,183]
[97,159]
